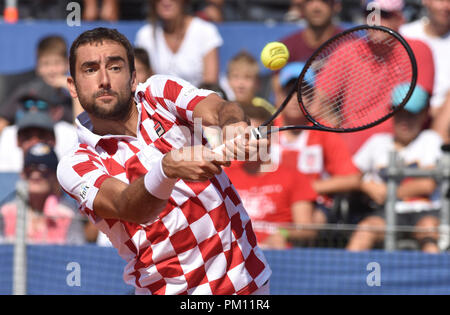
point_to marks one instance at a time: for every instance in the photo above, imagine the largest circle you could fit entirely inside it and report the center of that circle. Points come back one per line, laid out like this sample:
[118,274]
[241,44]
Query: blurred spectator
[294,13]
[212,11]
[244,80]
[142,65]
[35,125]
[318,15]
[441,123]
[42,9]
[416,149]
[276,196]
[50,219]
[180,44]
[434,29]
[391,16]
[322,156]
[51,68]
[105,10]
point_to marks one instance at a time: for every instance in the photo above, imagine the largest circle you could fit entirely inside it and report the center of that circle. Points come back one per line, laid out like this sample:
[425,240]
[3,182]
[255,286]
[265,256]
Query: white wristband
[157,183]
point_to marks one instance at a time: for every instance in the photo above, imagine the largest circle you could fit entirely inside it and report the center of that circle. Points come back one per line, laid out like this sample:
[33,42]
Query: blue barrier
[19,40]
[7,186]
[297,271]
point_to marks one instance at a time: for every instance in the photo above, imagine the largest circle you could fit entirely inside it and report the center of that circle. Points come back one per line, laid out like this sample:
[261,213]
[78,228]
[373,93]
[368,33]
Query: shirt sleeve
[81,175]
[173,95]
[363,158]
[425,65]
[302,189]
[211,37]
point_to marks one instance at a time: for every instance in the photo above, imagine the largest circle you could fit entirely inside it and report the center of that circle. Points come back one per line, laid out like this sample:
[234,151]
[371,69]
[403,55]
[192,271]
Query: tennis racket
[354,81]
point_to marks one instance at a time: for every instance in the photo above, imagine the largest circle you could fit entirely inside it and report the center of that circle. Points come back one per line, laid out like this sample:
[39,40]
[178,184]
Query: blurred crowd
[313,176]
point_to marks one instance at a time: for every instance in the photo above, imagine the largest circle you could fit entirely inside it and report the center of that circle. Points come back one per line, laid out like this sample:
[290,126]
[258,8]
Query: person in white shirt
[416,148]
[179,44]
[434,29]
[35,126]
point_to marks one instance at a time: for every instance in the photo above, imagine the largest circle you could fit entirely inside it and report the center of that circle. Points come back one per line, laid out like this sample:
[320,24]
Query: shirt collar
[86,135]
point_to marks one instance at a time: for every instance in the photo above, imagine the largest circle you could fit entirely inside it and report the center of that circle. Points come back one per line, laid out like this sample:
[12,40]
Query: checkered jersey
[202,242]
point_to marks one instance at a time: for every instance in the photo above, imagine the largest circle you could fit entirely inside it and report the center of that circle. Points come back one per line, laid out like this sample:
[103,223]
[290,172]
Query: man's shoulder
[430,137]
[295,37]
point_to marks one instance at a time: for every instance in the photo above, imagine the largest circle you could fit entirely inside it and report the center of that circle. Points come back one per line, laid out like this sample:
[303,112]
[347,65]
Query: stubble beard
[118,110]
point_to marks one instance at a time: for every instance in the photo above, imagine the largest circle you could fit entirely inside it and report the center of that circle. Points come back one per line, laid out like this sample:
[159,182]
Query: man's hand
[196,163]
[239,144]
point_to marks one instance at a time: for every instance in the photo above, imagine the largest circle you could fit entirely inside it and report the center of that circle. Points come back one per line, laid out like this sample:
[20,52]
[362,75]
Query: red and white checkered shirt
[202,242]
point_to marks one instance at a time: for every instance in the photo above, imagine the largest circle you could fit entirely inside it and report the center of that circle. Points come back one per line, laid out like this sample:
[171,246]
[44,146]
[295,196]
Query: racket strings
[354,80]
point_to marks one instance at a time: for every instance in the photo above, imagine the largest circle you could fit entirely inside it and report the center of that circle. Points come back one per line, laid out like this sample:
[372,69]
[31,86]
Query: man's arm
[214,111]
[133,203]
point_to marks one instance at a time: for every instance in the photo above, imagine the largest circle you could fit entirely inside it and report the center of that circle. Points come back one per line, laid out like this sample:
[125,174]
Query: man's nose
[105,82]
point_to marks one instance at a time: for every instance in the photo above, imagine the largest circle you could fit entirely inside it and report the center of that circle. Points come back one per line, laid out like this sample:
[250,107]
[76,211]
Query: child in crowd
[142,65]
[51,68]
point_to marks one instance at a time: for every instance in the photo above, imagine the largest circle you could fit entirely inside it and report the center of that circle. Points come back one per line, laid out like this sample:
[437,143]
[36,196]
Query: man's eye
[115,68]
[90,70]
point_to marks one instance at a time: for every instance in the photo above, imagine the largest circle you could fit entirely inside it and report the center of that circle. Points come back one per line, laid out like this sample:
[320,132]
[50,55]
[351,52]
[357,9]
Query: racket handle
[254,134]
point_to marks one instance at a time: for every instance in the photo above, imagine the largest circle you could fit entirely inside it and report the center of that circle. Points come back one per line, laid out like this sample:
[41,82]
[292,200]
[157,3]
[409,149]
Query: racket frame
[297,87]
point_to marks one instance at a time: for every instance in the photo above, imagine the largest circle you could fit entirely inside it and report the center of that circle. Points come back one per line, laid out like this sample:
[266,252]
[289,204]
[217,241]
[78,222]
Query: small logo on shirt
[84,191]
[159,129]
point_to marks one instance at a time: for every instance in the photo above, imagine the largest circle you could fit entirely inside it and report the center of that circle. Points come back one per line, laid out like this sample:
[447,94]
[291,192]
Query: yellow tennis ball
[274,55]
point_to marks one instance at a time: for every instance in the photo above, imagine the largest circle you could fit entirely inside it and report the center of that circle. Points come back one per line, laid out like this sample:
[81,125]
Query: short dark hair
[53,44]
[98,35]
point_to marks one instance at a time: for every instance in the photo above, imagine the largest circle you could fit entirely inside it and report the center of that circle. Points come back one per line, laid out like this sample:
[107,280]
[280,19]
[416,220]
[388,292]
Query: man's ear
[71,86]
[134,82]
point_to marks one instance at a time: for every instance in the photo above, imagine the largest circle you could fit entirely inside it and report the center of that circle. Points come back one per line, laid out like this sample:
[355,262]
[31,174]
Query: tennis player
[179,223]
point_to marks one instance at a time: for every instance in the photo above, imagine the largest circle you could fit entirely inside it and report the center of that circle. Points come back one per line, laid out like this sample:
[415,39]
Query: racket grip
[254,134]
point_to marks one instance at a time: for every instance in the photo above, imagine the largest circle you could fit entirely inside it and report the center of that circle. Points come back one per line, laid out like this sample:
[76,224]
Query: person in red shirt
[276,195]
[318,15]
[322,156]
[390,16]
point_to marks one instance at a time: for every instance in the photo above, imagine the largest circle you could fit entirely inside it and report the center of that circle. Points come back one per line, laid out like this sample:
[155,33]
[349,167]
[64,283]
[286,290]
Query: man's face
[244,83]
[439,12]
[318,13]
[103,83]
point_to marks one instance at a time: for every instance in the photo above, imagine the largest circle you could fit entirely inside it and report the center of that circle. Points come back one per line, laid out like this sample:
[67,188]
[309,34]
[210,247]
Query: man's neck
[126,126]
[316,36]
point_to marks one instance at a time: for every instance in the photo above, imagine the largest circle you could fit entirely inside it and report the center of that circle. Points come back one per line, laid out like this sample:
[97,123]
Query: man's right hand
[196,163]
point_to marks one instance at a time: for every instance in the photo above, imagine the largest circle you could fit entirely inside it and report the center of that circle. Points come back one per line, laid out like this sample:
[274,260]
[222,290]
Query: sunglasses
[42,169]
[39,104]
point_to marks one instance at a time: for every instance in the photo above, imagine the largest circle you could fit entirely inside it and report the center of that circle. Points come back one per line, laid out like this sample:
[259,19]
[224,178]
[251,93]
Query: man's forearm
[230,113]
